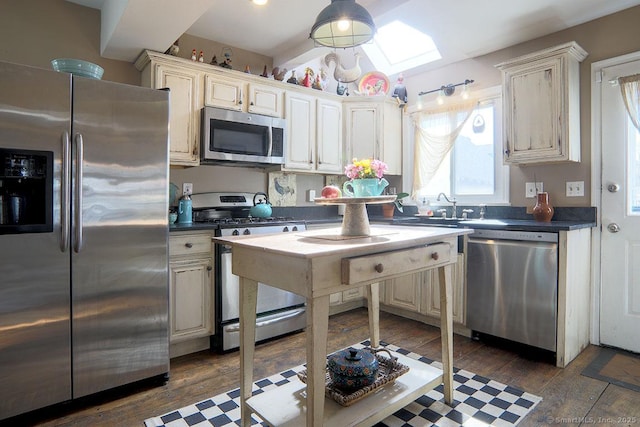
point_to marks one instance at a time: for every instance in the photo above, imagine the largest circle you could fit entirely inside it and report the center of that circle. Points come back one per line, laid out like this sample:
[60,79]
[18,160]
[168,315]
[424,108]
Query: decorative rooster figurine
[279,74]
[339,73]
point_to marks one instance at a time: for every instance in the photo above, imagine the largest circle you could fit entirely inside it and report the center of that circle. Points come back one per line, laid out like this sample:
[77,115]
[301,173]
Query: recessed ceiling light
[260,2]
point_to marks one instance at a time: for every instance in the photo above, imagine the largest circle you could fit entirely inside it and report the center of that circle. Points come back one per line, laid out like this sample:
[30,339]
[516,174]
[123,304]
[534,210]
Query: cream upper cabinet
[265,99]
[224,92]
[314,134]
[329,145]
[239,95]
[541,106]
[373,129]
[301,132]
[184,108]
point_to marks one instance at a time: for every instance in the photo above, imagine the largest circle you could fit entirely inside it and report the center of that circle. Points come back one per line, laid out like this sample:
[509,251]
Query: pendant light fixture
[343,23]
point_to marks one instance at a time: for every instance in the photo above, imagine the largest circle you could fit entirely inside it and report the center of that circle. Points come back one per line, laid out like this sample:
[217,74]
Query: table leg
[317,327]
[373,298]
[446,330]
[248,301]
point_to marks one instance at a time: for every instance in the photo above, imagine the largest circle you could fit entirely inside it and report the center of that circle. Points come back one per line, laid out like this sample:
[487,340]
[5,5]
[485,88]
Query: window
[398,47]
[473,170]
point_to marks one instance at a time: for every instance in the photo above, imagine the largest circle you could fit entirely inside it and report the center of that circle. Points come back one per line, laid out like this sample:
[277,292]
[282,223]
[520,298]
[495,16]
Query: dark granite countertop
[194,226]
[497,218]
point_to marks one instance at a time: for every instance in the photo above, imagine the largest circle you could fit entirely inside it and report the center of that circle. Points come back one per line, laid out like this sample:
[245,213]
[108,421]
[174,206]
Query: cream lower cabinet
[191,280]
[420,292]
[373,129]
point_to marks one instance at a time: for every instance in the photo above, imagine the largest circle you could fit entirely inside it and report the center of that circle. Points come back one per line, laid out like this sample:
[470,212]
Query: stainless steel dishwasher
[512,285]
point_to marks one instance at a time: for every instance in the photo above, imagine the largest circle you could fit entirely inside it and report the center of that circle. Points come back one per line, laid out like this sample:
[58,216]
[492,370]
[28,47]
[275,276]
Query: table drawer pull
[379,268]
[435,256]
[188,245]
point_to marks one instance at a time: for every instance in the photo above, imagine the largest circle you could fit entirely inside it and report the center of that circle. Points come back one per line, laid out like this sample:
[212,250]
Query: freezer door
[119,235]
[35,349]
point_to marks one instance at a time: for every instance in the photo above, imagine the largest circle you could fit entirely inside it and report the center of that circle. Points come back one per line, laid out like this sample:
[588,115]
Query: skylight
[398,47]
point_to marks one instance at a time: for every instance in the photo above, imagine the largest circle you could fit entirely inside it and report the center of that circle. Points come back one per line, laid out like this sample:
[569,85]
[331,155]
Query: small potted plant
[388,209]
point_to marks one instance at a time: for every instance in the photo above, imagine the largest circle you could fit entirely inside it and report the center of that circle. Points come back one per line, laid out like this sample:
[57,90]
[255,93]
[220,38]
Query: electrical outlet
[311,194]
[187,188]
[575,188]
[531,189]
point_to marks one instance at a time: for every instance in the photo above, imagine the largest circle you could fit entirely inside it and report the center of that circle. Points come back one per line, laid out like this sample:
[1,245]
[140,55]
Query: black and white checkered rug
[478,401]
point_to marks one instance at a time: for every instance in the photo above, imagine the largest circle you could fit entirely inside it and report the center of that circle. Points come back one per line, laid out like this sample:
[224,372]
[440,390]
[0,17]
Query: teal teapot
[261,207]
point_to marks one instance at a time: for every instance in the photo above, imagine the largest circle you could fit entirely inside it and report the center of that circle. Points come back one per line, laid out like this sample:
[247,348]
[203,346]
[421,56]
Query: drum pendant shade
[343,23]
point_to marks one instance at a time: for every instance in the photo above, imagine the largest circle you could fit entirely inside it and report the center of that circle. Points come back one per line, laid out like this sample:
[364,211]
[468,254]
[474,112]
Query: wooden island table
[316,264]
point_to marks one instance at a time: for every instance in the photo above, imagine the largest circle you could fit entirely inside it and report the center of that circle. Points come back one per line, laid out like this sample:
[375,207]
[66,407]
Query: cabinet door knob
[435,256]
[189,245]
[379,268]
[209,268]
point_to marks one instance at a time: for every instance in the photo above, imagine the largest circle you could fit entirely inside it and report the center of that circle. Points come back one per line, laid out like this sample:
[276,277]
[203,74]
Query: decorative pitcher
[543,211]
[366,187]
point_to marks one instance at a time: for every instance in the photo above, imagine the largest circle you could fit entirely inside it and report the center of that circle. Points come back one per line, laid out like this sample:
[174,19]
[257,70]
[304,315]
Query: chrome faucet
[454,215]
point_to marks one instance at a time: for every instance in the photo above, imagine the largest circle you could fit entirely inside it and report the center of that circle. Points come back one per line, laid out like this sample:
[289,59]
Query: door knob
[613,227]
[613,188]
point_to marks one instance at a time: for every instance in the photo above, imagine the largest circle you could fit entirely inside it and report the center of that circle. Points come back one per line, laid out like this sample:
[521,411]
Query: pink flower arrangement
[366,168]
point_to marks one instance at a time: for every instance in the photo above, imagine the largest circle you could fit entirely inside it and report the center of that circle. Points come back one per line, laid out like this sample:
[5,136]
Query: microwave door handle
[270,141]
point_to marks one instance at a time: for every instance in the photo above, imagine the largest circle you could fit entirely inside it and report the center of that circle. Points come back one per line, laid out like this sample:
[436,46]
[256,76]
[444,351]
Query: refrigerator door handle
[77,214]
[65,207]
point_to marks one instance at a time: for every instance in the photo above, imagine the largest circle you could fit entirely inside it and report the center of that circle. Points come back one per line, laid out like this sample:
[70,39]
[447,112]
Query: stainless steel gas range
[278,312]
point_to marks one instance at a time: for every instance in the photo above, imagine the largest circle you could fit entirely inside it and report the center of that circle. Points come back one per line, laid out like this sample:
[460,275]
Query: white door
[620,209]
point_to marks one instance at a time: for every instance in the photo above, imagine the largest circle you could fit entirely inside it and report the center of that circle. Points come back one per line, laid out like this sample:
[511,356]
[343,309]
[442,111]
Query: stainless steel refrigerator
[83,236]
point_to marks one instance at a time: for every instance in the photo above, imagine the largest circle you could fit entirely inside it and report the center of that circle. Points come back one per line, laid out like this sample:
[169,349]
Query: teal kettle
[184,210]
[261,207]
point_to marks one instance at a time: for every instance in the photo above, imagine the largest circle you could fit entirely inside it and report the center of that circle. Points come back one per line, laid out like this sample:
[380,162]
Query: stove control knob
[235,233]
[246,232]
[295,228]
[285,229]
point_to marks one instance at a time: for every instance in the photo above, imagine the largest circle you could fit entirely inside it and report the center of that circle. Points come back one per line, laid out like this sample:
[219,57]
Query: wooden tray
[389,369]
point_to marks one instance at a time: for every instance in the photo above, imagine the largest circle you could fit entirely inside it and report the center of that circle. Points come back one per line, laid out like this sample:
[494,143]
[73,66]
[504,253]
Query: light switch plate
[575,188]
[533,188]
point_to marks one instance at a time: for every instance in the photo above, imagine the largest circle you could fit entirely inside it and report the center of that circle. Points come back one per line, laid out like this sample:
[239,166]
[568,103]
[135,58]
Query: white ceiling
[461,28]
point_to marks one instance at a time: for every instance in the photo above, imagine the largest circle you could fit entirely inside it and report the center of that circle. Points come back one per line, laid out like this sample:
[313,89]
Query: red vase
[543,211]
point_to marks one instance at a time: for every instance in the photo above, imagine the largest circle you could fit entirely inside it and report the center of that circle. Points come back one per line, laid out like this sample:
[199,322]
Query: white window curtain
[435,133]
[630,88]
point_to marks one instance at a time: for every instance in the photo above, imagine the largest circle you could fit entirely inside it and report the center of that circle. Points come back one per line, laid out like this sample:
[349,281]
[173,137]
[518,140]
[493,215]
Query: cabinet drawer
[352,294]
[376,267]
[189,244]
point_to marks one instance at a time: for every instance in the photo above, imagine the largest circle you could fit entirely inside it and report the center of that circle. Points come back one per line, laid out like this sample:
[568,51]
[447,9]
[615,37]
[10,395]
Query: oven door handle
[270,320]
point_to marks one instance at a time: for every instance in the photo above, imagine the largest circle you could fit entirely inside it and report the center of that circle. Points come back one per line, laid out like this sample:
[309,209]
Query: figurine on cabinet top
[293,79]
[307,80]
[201,57]
[193,55]
[399,90]
[227,53]
[173,49]
[279,74]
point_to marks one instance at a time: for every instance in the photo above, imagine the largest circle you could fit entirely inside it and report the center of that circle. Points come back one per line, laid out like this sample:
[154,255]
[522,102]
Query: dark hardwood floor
[568,397]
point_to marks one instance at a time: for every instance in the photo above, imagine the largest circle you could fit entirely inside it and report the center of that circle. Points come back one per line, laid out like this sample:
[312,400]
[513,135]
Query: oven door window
[238,138]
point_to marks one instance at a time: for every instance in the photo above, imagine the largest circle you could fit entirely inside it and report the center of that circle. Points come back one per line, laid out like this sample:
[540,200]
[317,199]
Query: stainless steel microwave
[236,138]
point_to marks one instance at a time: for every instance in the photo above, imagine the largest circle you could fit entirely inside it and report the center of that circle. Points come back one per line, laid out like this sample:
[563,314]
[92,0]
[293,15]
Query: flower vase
[543,211]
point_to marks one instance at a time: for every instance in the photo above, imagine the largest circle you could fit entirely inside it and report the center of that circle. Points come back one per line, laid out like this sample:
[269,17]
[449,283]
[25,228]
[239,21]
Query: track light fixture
[448,90]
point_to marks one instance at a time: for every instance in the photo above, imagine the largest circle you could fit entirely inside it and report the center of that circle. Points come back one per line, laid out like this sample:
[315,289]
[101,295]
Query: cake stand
[355,222]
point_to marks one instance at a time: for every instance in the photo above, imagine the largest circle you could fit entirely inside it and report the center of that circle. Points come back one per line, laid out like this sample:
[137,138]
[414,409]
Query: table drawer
[189,244]
[376,267]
